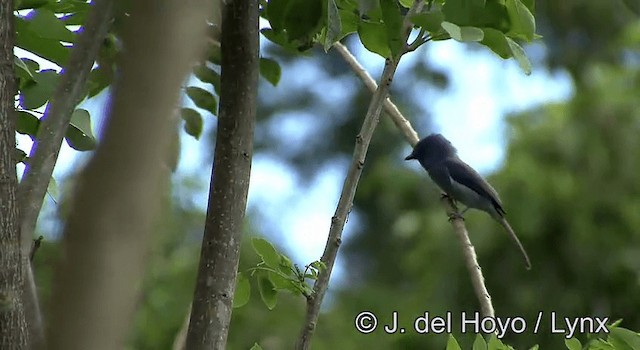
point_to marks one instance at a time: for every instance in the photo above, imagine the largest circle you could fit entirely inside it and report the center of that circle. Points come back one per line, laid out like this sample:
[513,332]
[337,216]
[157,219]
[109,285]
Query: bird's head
[432,149]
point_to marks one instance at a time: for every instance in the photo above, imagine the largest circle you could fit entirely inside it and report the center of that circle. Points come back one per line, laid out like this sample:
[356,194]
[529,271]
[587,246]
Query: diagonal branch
[349,187]
[471,260]
[56,118]
[46,147]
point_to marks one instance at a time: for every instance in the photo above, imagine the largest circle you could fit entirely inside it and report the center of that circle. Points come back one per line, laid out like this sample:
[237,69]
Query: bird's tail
[514,238]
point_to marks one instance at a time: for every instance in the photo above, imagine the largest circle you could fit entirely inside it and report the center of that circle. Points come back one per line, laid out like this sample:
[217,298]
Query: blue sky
[483,89]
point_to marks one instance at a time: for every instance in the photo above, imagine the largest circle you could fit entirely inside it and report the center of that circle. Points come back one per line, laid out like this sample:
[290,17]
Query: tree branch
[117,196]
[410,135]
[54,122]
[13,325]
[470,259]
[349,188]
[219,255]
[46,147]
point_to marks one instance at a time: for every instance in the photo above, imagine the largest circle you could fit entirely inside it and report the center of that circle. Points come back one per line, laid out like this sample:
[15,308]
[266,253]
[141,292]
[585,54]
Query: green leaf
[46,25]
[243,291]
[79,135]
[214,55]
[496,344]
[520,56]
[270,70]
[19,155]
[275,12]
[470,13]
[523,24]
[623,338]
[393,24]
[452,343]
[203,99]
[267,292]
[49,49]
[334,25]
[267,252]
[431,21]
[207,75]
[497,42]
[99,79]
[36,95]
[21,65]
[192,122]
[303,19]
[27,124]
[52,189]
[573,344]
[256,346]
[30,4]
[406,3]
[279,38]
[281,283]
[464,34]
[374,37]
[535,347]
[349,21]
[479,343]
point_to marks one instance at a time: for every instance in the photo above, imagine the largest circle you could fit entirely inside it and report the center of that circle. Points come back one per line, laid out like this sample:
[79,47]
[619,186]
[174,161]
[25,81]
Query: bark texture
[215,285]
[13,327]
[108,231]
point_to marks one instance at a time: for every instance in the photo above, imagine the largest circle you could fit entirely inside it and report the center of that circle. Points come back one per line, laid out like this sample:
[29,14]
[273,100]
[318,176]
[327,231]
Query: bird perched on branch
[461,182]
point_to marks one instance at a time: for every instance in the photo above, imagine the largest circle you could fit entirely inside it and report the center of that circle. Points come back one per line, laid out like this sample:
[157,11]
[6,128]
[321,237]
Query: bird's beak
[409,157]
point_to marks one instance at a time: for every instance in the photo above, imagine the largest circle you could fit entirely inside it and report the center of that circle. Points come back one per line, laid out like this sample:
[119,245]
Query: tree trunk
[215,284]
[13,327]
[108,230]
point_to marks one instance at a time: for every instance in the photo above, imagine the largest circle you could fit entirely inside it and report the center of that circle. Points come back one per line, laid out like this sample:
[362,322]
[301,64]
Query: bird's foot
[455,215]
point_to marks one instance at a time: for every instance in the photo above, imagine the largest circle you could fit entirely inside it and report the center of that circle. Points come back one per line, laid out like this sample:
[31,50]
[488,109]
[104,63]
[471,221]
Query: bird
[461,182]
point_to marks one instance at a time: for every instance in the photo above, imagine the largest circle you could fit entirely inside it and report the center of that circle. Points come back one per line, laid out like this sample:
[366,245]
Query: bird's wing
[440,175]
[462,173]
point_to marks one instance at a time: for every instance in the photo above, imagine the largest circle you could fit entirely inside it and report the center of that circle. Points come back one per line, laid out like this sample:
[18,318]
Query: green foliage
[193,122]
[297,25]
[243,291]
[79,135]
[270,70]
[275,272]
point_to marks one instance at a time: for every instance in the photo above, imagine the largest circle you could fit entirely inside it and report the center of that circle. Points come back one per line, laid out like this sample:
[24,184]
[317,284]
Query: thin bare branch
[349,188]
[470,258]
[392,110]
[411,136]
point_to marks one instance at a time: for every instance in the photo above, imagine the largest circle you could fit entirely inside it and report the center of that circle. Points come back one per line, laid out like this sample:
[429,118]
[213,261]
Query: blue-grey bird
[460,181]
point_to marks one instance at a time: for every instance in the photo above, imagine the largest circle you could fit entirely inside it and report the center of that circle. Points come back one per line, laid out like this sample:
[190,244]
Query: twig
[44,152]
[34,247]
[392,110]
[349,188]
[475,272]
[470,259]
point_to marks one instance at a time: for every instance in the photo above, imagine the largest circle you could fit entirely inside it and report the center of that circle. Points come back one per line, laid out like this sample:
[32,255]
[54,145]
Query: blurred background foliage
[569,182]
